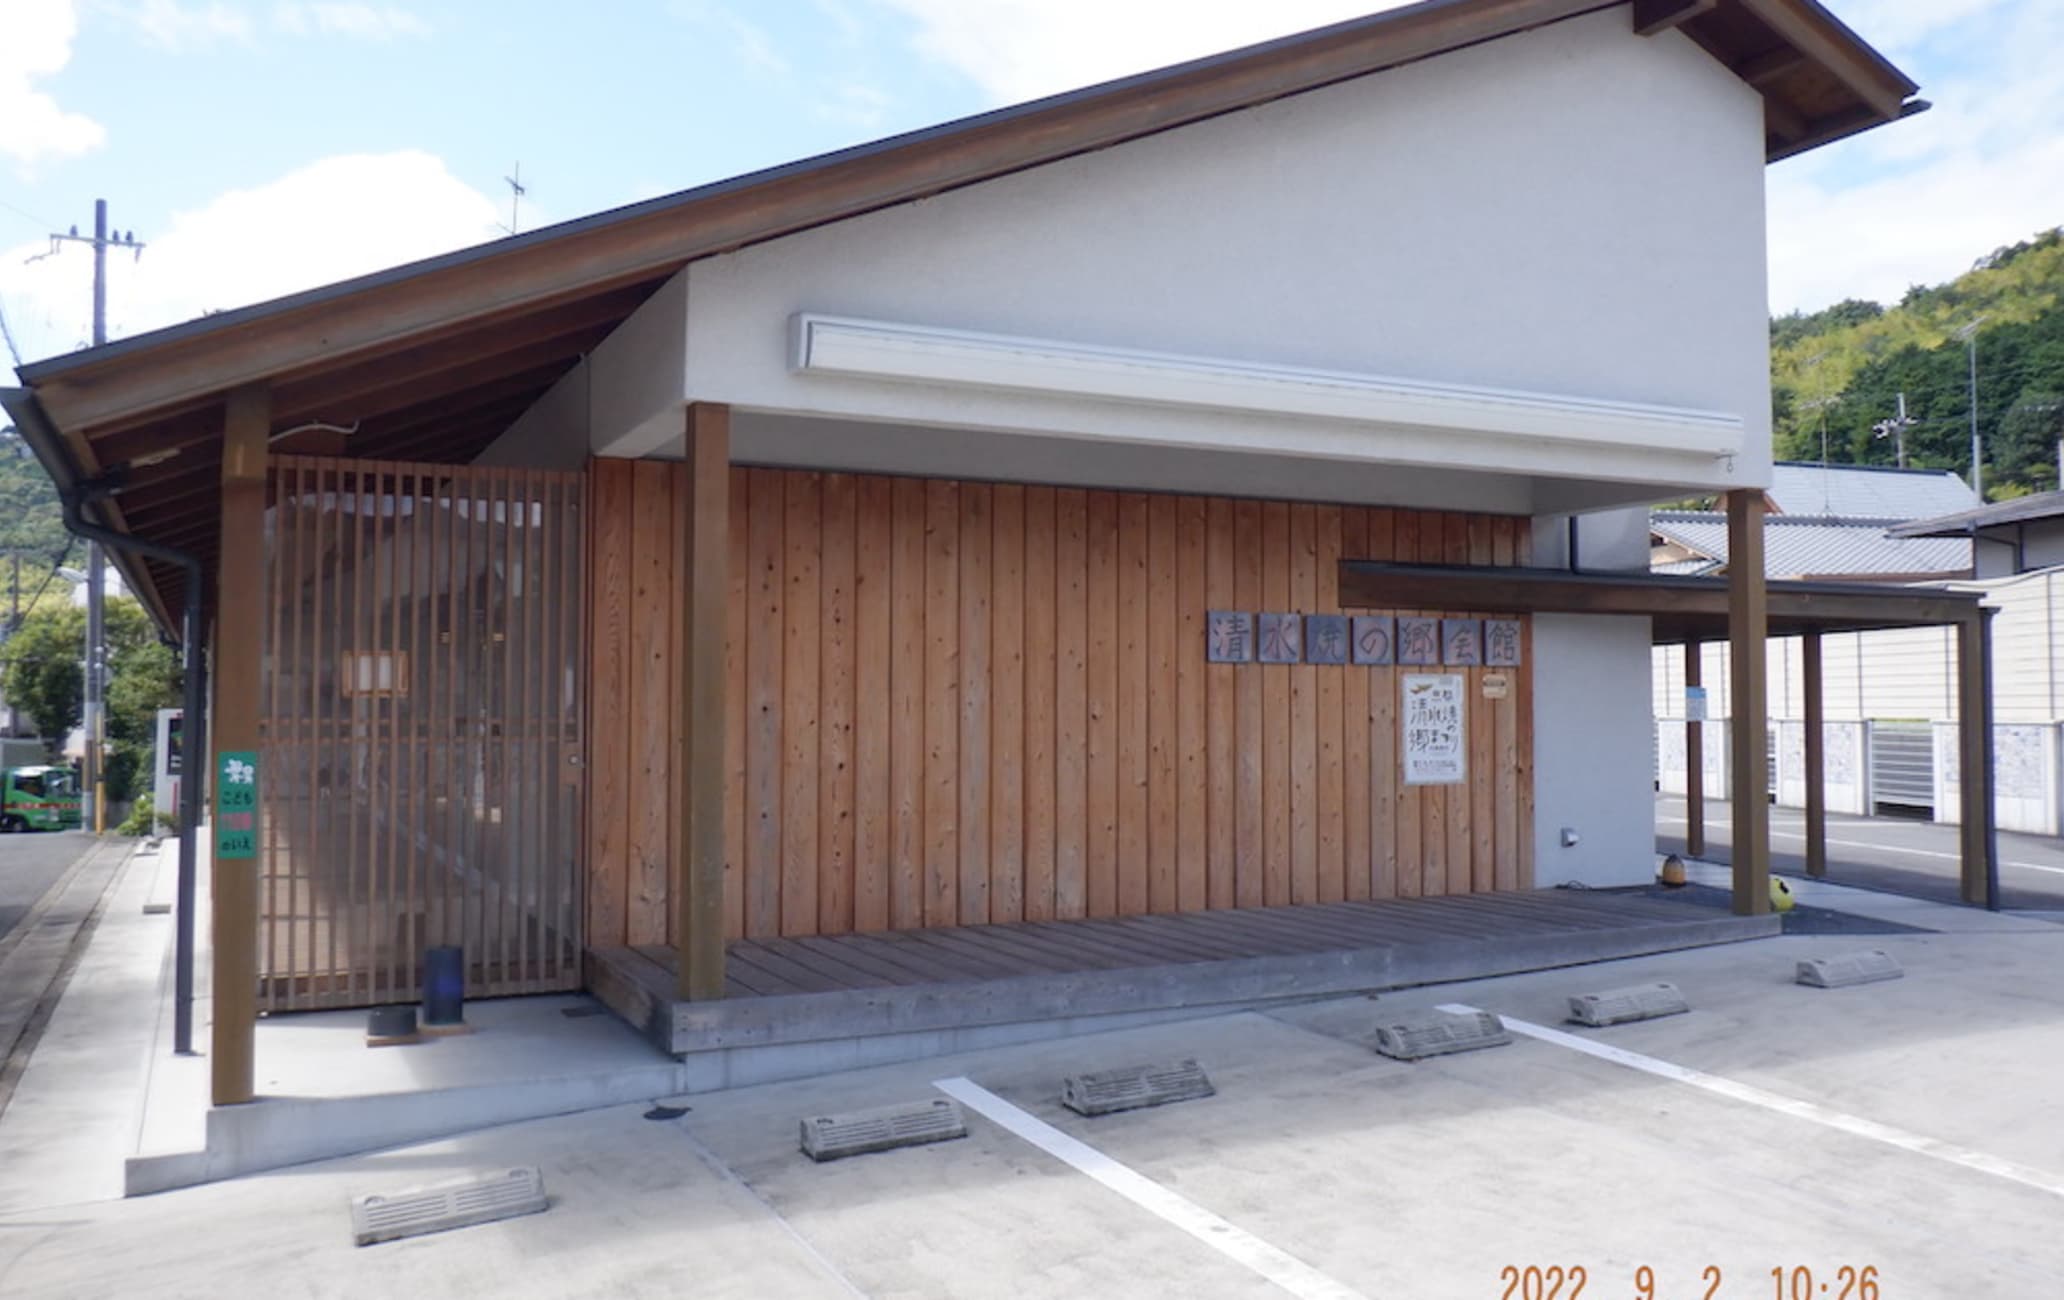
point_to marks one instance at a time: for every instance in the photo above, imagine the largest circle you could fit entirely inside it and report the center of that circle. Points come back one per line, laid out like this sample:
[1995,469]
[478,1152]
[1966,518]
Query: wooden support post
[698,884]
[1816,759]
[237,675]
[1694,756]
[1747,626]
[1974,758]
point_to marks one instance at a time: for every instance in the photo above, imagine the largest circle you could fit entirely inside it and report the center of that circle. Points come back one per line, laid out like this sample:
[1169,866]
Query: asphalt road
[29,864]
[1889,853]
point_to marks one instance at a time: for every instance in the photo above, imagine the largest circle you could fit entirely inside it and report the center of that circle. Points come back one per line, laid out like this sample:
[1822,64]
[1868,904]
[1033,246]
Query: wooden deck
[860,985]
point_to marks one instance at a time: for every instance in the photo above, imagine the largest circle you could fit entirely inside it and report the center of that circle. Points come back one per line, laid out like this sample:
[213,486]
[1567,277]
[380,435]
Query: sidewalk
[71,1121]
[39,950]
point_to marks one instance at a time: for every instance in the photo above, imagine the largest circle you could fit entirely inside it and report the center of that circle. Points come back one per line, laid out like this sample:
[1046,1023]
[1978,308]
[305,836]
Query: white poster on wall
[1435,753]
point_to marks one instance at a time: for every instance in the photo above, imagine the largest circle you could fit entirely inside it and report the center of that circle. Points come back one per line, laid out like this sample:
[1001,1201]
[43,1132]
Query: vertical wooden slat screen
[956,703]
[422,736]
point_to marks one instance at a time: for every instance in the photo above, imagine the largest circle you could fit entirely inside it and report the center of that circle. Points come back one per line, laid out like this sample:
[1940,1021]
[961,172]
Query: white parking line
[1285,1270]
[1806,1110]
[1885,848]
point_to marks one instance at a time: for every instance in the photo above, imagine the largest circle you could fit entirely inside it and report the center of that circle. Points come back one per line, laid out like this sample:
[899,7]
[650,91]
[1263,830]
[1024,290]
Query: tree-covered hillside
[1837,374]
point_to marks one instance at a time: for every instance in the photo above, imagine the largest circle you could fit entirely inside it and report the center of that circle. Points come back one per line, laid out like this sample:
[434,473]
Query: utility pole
[1896,428]
[1969,335]
[94,801]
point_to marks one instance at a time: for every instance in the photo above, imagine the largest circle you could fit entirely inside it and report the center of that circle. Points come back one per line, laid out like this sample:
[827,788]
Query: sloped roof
[1867,491]
[1810,547]
[433,359]
[2020,510]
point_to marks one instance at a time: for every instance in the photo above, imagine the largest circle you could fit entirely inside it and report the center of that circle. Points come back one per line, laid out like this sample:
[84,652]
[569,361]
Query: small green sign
[236,804]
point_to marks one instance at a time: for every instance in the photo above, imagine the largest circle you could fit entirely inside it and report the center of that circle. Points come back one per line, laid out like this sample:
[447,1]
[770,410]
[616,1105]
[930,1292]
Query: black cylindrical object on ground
[444,985]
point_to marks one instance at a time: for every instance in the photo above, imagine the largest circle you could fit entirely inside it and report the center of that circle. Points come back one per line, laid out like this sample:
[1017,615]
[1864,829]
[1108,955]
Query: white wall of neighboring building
[2040,545]
[1910,675]
[1903,674]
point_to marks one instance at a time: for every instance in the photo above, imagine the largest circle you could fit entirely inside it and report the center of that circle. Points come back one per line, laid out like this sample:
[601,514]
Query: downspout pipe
[76,493]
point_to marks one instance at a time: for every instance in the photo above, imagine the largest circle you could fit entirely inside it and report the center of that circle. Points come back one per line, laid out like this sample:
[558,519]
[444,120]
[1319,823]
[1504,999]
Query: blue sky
[263,146]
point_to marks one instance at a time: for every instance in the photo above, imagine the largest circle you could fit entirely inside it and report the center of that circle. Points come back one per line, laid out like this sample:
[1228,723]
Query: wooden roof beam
[1824,130]
[576,325]
[1822,38]
[1762,69]
[1781,121]
[1370,585]
[1655,16]
[541,364]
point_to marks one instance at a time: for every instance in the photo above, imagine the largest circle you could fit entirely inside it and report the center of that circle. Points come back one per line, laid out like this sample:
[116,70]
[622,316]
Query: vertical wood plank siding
[957,703]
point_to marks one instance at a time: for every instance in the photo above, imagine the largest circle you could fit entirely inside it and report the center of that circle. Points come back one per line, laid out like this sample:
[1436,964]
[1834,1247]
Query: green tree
[143,677]
[44,673]
[1846,368]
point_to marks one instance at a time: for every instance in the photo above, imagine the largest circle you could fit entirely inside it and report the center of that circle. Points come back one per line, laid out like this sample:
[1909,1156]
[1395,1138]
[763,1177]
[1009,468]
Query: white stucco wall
[1592,761]
[1574,210]
[553,433]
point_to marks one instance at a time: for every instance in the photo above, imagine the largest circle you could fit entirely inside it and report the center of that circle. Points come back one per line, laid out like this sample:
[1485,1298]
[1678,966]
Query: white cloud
[1022,49]
[1896,26]
[178,26]
[328,221]
[1918,201]
[345,18]
[36,42]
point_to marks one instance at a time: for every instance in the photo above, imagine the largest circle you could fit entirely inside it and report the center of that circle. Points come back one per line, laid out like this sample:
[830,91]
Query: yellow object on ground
[1780,895]
[1672,872]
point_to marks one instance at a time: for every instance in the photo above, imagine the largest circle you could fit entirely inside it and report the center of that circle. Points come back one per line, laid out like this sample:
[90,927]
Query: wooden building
[958,529]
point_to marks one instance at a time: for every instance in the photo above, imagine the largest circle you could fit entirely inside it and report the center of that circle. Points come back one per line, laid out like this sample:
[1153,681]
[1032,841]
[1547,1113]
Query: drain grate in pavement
[458,1204]
[1106,1091]
[1619,1006]
[834,1137]
[1436,1033]
[1839,972]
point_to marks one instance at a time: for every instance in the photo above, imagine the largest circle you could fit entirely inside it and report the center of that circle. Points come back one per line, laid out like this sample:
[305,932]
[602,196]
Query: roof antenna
[516,193]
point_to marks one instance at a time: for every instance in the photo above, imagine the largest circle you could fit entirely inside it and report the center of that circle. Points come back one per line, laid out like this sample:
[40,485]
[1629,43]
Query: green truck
[39,799]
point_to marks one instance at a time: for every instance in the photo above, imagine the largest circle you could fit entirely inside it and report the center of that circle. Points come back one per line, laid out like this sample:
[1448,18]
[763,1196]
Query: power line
[26,214]
[8,334]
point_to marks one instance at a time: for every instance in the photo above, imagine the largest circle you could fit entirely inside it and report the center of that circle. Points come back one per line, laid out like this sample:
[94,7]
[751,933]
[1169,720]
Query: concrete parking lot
[1904,1127]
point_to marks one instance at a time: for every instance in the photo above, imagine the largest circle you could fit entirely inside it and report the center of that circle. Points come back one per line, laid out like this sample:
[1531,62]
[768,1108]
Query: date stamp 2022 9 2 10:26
[1799,1282]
